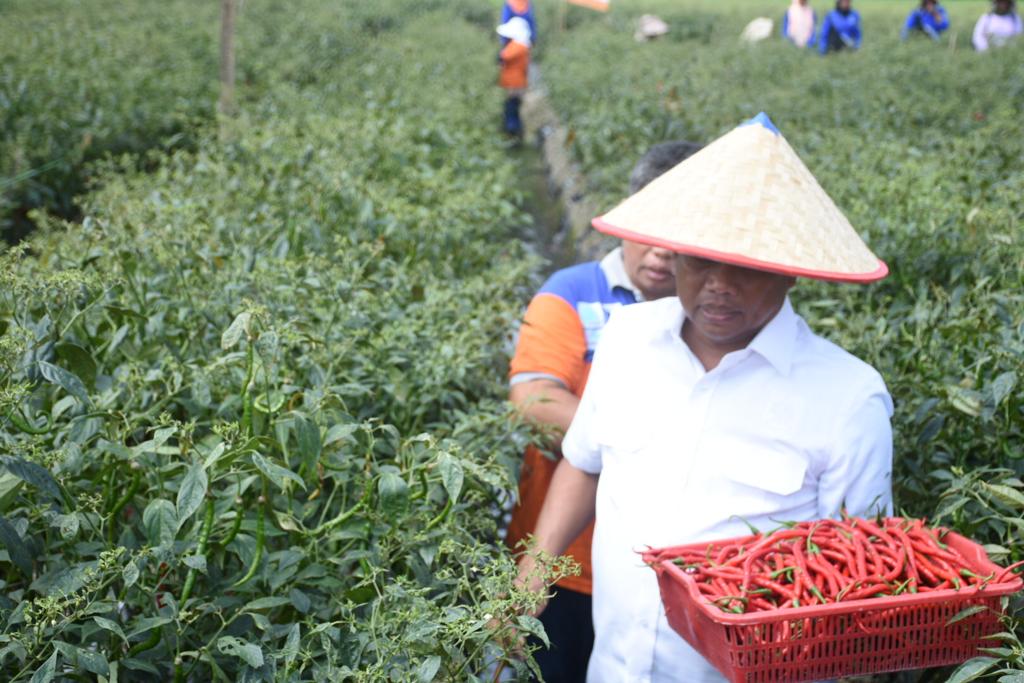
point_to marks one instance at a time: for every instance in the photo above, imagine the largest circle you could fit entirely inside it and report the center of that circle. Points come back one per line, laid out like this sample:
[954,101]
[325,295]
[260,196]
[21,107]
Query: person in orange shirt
[547,374]
[515,61]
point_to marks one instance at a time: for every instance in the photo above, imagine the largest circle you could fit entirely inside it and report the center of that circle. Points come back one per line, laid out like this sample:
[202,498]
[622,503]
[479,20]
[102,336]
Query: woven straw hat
[748,200]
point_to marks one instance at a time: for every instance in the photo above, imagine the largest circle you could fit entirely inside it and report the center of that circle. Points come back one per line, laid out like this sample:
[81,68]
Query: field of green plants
[252,409]
[252,418]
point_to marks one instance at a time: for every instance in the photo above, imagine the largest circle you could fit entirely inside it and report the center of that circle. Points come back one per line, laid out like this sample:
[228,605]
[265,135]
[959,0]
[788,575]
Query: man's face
[1002,7]
[649,268]
[843,5]
[726,306]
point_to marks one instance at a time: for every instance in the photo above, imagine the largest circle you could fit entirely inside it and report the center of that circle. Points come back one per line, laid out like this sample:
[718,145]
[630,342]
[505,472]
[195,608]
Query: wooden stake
[226,105]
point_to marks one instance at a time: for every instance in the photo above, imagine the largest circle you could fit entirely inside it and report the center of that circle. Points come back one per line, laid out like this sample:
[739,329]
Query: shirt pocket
[776,472]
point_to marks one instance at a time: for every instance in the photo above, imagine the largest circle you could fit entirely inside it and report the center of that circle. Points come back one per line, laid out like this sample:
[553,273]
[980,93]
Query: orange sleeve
[514,50]
[552,342]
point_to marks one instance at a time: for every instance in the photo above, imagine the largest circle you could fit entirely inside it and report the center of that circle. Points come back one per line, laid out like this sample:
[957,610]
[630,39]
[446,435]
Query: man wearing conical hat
[719,407]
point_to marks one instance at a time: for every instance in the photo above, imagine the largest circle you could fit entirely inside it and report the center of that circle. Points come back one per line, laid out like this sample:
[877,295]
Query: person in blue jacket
[840,30]
[519,8]
[930,19]
[798,24]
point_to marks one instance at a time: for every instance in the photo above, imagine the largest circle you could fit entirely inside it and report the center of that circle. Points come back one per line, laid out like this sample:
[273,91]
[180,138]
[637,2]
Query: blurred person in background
[798,24]
[997,27]
[840,30]
[522,9]
[515,63]
[930,19]
[546,378]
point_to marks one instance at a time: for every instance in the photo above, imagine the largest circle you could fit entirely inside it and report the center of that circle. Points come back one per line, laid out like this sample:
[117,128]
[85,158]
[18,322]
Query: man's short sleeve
[859,475]
[580,446]
[551,343]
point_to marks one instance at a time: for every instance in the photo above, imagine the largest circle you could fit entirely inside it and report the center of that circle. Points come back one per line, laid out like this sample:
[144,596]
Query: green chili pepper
[441,516]
[123,500]
[246,400]
[204,537]
[22,424]
[147,644]
[347,514]
[237,524]
[260,539]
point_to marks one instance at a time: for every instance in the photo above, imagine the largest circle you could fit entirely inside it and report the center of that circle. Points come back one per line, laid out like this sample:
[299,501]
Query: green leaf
[339,432]
[147,624]
[1002,386]
[300,600]
[68,525]
[238,327]
[214,455]
[93,662]
[46,672]
[965,400]
[276,474]
[966,612]
[197,562]
[972,669]
[452,475]
[32,474]
[130,574]
[65,380]
[79,360]
[16,548]
[160,521]
[291,644]
[426,672]
[244,650]
[394,494]
[532,626]
[1015,677]
[108,625]
[191,493]
[267,603]
[308,436]
[269,403]
[1007,495]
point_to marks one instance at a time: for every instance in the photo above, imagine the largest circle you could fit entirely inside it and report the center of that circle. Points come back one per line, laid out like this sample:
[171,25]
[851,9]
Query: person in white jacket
[998,27]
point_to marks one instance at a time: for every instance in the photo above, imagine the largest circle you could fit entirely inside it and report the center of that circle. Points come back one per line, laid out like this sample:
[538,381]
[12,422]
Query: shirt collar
[614,269]
[776,342]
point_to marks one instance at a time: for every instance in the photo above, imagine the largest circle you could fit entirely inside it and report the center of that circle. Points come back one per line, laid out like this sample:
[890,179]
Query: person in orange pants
[547,374]
[515,61]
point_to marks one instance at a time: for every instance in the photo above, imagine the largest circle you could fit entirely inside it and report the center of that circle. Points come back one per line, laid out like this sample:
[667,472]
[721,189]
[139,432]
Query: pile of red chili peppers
[815,563]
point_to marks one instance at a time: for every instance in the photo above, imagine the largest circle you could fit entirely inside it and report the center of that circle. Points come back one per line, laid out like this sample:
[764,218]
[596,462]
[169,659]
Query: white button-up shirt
[790,428]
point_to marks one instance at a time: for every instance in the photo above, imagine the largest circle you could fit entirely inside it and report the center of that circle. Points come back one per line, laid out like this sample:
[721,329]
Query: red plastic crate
[852,638]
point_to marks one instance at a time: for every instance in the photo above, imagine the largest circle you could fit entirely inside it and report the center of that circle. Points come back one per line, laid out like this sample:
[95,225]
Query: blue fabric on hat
[761,120]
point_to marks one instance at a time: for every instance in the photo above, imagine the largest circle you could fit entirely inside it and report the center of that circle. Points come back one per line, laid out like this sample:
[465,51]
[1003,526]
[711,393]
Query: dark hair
[658,159]
[925,3]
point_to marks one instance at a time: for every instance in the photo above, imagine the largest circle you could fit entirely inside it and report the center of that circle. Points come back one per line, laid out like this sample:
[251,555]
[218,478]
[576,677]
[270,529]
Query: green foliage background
[252,409]
[251,415]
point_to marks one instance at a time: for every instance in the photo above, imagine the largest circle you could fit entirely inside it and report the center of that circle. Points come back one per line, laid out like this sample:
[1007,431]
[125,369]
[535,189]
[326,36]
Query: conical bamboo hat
[748,200]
